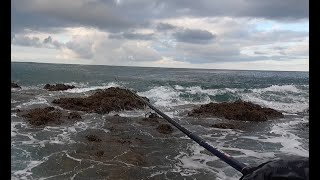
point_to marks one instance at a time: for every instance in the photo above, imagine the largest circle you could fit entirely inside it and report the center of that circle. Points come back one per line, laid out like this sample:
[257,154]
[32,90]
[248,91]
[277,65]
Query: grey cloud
[47,40]
[22,40]
[131,36]
[109,15]
[26,41]
[38,14]
[273,9]
[82,50]
[194,36]
[165,26]
[259,53]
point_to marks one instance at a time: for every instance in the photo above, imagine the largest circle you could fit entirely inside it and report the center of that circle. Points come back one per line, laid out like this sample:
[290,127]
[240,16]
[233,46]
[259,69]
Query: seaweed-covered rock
[14,85]
[47,115]
[103,101]
[58,87]
[43,116]
[165,129]
[238,110]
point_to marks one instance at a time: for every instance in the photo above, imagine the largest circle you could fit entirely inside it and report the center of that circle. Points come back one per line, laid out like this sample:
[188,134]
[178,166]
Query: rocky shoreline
[127,144]
[115,99]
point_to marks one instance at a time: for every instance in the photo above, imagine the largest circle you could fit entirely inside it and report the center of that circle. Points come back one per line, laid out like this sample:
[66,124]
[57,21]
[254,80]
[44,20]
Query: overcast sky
[214,34]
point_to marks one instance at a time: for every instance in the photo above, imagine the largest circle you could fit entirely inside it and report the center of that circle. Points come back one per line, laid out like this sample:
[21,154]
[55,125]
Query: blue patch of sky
[271,25]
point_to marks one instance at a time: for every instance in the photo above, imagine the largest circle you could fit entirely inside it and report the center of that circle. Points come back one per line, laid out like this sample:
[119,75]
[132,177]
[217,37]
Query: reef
[238,110]
[103,101]
[47,115]
[58,87]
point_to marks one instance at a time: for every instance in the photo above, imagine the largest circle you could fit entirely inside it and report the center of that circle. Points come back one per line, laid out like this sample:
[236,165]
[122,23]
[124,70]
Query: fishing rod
[244,169]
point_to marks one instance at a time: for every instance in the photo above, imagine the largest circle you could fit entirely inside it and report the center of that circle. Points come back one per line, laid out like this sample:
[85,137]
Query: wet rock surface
[225,126]
[127,147]
[58,87]
[238,110]
[14,85]
[46,115]
[103,101]
[74,115]
[93,138]
[165,129]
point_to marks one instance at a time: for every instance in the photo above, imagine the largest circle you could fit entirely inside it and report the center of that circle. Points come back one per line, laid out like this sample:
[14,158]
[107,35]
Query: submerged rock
[74,115]
[99,153]
[14,85]
[93,138]
[165,129]
[43,116]
[152,115]
[225,126]
[58,87]
[103,101]
[238,110]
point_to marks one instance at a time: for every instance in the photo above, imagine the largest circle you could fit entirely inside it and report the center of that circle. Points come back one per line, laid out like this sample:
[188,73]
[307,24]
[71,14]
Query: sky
[209,34]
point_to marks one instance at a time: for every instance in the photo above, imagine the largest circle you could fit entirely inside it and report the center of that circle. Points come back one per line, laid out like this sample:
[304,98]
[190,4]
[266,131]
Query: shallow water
[61,151]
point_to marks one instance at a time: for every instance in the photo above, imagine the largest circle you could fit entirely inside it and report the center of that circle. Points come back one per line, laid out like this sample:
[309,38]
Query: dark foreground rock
[103,101]
[15,85]
[58,87]
[238,110]
[47,115]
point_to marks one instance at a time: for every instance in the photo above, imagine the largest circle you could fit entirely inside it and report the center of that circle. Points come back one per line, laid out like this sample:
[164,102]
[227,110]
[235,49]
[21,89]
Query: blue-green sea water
[175,92]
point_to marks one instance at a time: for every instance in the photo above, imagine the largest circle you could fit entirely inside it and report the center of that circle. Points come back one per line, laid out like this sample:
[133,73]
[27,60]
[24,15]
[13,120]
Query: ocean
[52,152]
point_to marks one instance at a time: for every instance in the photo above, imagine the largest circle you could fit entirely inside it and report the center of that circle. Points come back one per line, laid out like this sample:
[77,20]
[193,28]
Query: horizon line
[155,66]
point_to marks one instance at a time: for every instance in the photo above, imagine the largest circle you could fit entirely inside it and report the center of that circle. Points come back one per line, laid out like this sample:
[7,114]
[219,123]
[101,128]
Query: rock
[103,101]
[238,110]
[93,138]
[99,153]
[225,126]
[165,129]
[116,115]
[74,115]
[58,87]
[14,85]
[152,115]
[43,116]
[122,141]
[152,118]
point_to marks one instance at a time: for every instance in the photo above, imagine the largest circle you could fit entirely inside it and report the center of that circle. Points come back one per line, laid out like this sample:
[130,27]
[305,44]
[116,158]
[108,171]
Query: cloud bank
[167,33]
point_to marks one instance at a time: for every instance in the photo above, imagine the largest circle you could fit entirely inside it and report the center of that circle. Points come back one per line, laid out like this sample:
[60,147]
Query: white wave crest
[277,88]
[293,107]
[85,88]
[38,100]
[163,96]
[290,142]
